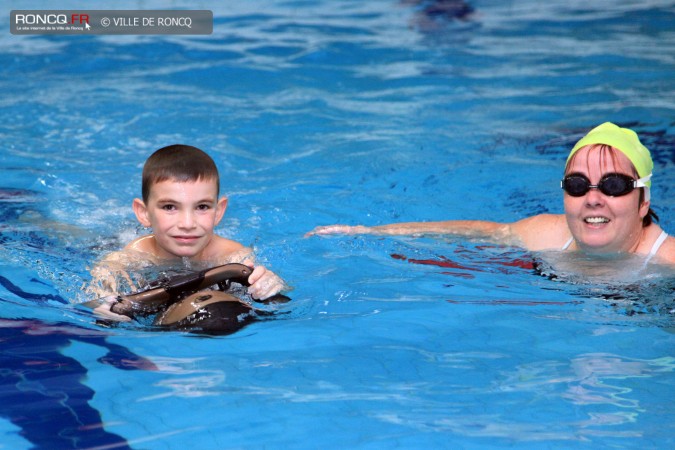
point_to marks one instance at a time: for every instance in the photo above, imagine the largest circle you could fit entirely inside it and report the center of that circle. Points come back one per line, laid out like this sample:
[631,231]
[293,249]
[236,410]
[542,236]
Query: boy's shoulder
[224,251]
[144,246]
[221,247]
[122,257]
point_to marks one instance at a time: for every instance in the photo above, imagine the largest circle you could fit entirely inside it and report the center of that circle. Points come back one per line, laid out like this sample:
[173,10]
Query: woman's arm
[466,228]
[533,233]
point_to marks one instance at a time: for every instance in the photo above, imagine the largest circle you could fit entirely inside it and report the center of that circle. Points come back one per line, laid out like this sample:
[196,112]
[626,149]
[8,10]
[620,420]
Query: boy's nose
[186,220]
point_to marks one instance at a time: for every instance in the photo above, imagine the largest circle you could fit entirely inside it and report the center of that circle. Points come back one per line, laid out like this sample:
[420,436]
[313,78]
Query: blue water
[338,112]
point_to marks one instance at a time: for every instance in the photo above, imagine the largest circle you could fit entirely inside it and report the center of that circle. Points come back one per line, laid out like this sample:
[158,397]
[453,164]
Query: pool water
[328,112]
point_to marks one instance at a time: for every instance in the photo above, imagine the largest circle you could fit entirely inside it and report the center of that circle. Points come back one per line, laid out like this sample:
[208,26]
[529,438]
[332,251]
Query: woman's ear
[141,212]
[643,209]
[221,206]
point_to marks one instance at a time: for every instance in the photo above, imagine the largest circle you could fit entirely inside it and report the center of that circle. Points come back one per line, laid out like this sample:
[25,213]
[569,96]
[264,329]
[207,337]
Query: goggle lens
[613,185]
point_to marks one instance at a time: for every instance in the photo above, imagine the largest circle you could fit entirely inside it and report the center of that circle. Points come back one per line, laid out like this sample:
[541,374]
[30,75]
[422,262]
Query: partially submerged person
[182,205]
[606,186]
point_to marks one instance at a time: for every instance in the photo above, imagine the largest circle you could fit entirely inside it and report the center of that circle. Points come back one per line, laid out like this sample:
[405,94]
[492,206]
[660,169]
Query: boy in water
[181,205]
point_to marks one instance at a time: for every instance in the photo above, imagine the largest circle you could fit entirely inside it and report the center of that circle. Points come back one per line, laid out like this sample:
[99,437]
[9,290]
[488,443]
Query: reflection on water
[587,379]
[186,377]
[597,381]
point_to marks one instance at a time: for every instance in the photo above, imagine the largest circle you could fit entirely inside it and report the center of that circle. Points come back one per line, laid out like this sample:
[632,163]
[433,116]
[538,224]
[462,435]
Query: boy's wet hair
[182,163]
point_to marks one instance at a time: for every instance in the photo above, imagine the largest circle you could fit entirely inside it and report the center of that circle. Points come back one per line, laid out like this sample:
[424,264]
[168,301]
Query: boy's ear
[141,212]
[221,206]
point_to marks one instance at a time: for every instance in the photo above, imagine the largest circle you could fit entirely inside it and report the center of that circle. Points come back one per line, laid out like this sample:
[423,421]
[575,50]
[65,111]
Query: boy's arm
[104,286]
[106,273]
[263,282]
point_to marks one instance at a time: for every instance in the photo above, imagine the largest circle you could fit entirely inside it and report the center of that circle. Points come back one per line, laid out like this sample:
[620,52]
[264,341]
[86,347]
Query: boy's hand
[264,283]
[103,310]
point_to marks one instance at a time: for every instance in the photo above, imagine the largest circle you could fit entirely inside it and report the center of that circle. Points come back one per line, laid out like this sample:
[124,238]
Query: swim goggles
[613,184]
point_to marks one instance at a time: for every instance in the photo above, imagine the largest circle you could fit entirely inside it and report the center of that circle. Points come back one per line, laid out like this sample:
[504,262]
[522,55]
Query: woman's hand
[339,229]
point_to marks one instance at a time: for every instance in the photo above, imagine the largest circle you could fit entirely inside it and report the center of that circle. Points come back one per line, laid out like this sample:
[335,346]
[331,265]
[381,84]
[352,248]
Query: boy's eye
[204,207]
[168,207]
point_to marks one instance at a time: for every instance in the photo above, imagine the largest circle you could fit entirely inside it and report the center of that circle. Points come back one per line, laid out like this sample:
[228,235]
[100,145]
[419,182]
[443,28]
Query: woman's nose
[594,197]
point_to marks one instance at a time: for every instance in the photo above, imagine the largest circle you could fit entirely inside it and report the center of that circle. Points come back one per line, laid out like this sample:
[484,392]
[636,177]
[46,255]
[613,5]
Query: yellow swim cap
[622,139]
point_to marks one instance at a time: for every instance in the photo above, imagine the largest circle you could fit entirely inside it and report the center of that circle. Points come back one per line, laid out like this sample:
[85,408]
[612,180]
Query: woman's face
[598,222]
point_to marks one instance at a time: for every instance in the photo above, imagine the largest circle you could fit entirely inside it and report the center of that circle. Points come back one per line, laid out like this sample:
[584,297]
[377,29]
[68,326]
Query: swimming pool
[339,112]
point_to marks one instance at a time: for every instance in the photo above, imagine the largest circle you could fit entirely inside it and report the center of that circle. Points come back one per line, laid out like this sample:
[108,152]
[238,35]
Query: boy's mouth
[186,239]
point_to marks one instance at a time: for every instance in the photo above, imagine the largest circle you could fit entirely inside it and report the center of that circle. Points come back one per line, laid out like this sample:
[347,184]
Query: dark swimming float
[197,302]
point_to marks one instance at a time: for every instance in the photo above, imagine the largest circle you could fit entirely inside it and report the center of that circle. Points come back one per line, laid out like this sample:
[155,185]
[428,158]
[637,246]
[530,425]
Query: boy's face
[182,216]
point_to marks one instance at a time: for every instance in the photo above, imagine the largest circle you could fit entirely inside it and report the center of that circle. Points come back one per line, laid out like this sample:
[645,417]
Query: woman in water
[606,188]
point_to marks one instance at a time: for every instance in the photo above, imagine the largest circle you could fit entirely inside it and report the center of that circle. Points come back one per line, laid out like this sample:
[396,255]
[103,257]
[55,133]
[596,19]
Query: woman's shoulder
[542,232]
[546,220]
[666,252]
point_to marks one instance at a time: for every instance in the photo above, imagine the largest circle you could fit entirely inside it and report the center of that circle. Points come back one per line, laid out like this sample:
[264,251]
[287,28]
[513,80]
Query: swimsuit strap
[655,248]
[657,245]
